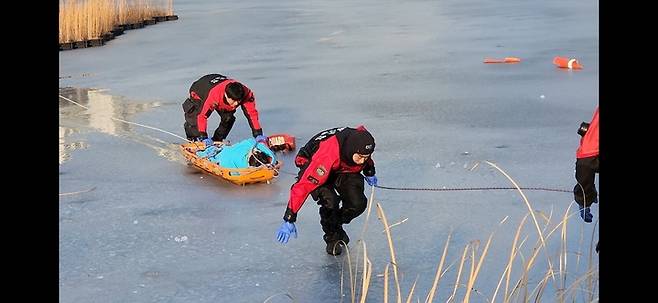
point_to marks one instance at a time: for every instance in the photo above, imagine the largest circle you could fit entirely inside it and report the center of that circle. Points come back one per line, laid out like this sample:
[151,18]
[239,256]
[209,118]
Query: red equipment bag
[281,142]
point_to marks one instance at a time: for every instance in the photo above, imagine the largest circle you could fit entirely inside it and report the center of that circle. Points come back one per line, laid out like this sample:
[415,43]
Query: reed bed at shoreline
[520,280]
[81,20]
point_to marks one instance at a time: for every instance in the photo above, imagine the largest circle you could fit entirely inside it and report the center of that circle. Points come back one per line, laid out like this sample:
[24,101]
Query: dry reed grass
[81,20]
[584,286]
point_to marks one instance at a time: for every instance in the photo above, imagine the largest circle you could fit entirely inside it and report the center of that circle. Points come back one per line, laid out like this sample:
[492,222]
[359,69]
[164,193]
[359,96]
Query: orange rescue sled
[239,176]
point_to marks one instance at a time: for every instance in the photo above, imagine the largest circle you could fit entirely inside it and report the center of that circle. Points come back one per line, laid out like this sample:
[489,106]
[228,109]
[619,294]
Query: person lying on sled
[246,153]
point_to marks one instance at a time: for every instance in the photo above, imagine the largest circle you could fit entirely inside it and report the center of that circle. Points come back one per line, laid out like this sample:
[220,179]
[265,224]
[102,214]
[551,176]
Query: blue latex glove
[261,139]
[372,181]
[284,232]
[585,214]
[208,142]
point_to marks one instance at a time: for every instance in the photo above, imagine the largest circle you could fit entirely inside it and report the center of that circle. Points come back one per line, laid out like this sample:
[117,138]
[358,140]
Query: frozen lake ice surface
[142,226]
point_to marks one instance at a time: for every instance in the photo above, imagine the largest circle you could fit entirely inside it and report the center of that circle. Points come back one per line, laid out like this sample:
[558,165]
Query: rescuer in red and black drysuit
[215,92]
[330,171]
[587,166]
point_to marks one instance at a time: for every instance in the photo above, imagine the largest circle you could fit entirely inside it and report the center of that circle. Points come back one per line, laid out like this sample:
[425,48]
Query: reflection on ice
[101,109]
[98,111]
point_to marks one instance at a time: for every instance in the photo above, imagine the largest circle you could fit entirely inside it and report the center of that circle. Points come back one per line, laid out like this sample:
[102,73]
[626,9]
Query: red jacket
[589,144]
[215,101]
[324,161]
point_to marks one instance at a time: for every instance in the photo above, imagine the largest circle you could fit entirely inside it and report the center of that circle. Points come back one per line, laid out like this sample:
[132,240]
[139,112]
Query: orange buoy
[563,62]
[505,60]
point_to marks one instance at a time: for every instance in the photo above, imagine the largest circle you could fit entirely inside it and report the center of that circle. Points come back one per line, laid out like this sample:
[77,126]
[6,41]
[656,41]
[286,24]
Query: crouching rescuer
[216,92]
[330,167]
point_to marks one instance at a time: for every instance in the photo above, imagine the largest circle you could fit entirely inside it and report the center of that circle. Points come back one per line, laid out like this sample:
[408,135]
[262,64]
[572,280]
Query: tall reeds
[170,7]
[528,283]
[81,20]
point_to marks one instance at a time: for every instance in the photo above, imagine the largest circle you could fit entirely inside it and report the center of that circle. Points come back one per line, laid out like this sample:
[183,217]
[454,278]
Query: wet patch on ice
[153,274]
[66,148]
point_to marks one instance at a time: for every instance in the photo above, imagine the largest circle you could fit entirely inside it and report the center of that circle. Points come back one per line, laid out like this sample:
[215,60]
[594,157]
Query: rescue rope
[164,131]
[457,188]
[470,188]
[77,192]
[268,165]
[287,172]
[132,123]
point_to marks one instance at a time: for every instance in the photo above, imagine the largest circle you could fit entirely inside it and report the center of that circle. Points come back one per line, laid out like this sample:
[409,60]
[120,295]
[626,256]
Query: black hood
[355,141]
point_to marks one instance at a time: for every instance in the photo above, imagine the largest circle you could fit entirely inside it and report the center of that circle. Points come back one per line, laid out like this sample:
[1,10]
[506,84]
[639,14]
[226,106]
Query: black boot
[342,235]
[333,244]
[586,214]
